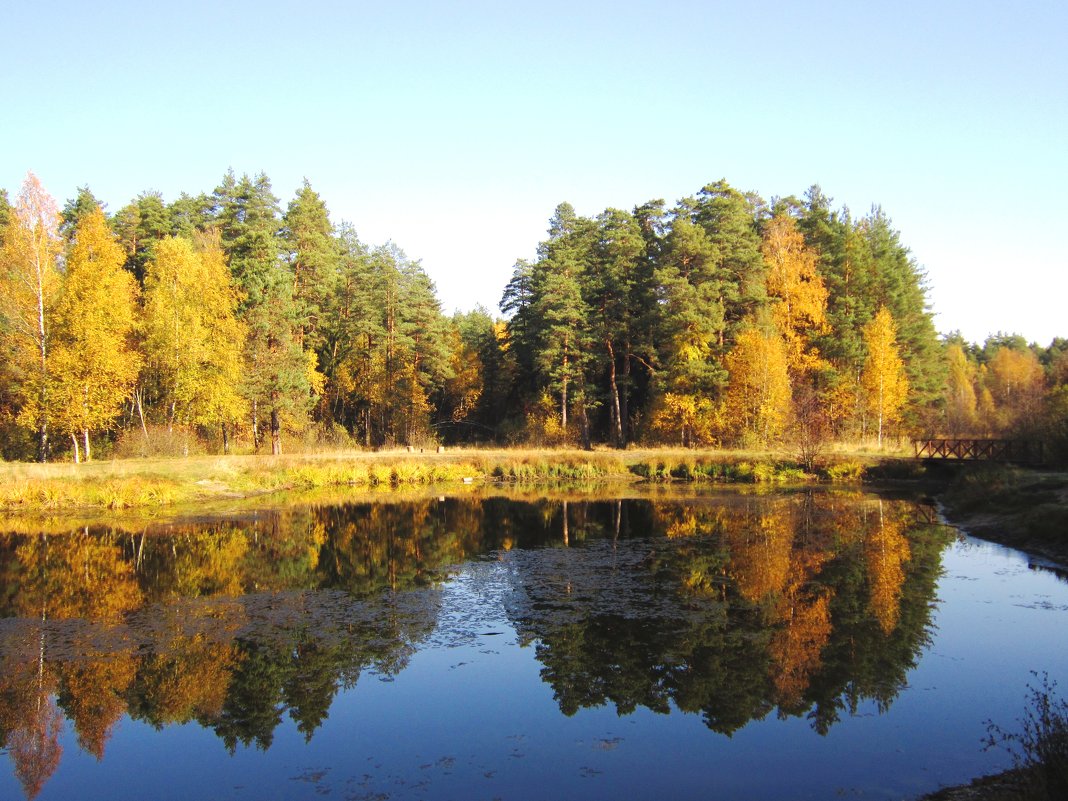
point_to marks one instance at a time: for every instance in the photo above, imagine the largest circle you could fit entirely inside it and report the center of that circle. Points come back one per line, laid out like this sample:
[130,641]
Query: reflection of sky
[470,718]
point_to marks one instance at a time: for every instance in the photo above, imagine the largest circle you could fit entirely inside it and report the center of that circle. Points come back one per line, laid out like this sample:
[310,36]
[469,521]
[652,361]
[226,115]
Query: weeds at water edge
[1040,748]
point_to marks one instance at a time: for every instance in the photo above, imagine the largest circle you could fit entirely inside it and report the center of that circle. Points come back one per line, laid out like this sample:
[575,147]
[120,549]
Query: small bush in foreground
[1040,749]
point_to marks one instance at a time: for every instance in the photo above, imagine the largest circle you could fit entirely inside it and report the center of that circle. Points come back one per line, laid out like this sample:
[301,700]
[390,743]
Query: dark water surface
[795,645]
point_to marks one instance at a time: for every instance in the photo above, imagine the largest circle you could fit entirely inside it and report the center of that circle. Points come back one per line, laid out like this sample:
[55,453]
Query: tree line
[724,319]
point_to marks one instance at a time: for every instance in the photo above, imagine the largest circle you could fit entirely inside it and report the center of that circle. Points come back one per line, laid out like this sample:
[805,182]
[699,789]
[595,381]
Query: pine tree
[564,337]
[312,253]
[139,226]
[899,285]
[690,328]
[281,378]
[81,205]
[614,289]
[550,326]
[5,213]
[189,215]
[730,220]
[351,328]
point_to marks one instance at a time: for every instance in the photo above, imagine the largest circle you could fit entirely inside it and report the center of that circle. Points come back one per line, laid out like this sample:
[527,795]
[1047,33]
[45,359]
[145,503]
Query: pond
[722,644]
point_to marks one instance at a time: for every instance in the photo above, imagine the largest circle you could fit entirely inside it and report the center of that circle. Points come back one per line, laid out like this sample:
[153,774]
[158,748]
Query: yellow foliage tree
[29,286]
[883,380]
[464,389]
[793,279]
[1017,383]
[758,402]
[688,417]
[961,400]
[95,363]
[193,338]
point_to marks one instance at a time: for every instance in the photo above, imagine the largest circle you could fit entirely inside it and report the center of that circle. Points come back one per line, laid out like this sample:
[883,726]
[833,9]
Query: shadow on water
[731,606]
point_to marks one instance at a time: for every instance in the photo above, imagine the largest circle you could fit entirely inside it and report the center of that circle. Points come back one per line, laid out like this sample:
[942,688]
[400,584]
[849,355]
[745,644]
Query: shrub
[159,441]
[845,473]
[1040,748]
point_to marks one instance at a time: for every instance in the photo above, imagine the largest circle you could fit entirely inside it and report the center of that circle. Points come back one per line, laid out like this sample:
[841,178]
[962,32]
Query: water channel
[722,644]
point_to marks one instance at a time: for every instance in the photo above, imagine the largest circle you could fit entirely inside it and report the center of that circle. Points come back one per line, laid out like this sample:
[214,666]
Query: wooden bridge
[1020,451]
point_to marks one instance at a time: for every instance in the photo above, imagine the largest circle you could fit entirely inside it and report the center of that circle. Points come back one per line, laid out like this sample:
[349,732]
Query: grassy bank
[162,483]
[1021,508]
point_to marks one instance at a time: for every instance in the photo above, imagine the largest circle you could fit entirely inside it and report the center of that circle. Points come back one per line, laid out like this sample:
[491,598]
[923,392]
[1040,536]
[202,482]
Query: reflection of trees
[93,696]
[231,624]
[726,606]
[886,551]
[79,575]
[29,721]
[185,679]
[789,602]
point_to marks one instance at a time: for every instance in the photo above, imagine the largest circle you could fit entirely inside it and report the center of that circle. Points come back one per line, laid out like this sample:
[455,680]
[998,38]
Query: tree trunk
[226,440]
[42,441]
[624,401]
[276,434]
[880,437]
[617,420]
[255,426]
[77,455]
[584,419]
[138,394]
[42,426]
[88,453]
[563,400]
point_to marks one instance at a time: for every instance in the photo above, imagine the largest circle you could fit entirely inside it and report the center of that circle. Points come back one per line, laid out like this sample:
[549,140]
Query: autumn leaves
[721,321]
[68,336]
[776,364]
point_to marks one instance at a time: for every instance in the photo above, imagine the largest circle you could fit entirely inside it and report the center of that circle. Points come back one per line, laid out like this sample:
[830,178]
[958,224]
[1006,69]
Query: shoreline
[154,486]
[1025,509]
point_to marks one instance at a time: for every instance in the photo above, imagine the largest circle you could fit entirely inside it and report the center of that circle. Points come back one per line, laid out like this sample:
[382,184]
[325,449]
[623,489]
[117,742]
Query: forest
[223,322]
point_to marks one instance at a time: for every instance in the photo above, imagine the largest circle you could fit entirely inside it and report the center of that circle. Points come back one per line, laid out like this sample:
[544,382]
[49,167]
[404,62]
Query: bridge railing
[1020,451]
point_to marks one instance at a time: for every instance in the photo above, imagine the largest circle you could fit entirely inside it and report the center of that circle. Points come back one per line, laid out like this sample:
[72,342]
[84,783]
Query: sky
[454,129]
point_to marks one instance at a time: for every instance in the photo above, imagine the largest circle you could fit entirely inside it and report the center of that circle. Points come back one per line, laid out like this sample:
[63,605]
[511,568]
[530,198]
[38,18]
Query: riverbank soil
[1024,509]
[1012,785]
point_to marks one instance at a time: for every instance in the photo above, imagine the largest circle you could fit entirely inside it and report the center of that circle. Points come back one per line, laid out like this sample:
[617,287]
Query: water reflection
[806,604]
[730,607]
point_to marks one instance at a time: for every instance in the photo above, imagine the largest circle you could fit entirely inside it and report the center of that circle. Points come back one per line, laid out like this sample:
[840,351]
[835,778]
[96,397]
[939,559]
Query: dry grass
[162,482]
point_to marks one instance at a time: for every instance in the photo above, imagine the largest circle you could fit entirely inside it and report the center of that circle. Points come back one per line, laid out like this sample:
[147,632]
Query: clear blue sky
[454,128]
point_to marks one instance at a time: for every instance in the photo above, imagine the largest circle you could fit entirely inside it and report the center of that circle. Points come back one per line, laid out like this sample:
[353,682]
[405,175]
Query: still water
[801,645]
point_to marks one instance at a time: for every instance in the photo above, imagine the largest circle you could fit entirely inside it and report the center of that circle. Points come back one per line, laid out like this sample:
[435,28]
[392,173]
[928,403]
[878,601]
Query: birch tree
[95,362]
[29,285]
[758,401]
[883,380]
[192,337]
